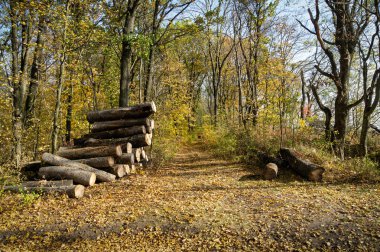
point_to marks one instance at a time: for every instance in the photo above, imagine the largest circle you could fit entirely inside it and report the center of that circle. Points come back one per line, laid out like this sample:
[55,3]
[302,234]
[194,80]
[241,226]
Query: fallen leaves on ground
[198,203]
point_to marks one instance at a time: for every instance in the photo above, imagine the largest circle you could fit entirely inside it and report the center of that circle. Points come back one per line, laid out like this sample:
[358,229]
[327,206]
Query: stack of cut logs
[112,150]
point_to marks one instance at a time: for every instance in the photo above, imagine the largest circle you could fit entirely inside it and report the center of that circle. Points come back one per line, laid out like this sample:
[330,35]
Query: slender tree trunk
[69,112]
[149,75]
[303,99]
[61,78]
[126,53]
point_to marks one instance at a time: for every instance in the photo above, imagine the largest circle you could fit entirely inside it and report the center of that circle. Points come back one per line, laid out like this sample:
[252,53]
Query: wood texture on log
[133,169]
[98,162]
[136,141]
[126,158]
[90,152]
[52,159]
[151,124]
[143,154]
[137,111]
[82,177]
[127,169]
[116,133]
[126,148]
[270,171]
[73,191]
[305,168]
[112,125]
[47,183]
[137,153]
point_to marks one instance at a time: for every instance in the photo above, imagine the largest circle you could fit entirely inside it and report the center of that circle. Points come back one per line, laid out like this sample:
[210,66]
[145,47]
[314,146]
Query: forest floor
[197,203]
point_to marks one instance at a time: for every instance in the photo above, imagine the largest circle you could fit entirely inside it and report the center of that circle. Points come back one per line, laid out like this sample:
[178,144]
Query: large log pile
[111,150]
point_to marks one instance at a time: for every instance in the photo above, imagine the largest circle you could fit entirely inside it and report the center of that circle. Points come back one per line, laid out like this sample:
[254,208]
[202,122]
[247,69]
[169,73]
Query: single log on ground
[73,191]
[116,133]
[90,152]
[126,158]
[127,148]
[270,171]
[101,176]
[98,162]
[46,183]
[137,153]
[303,167]
[136,141]
[111,125]
[137,111]
[85,178]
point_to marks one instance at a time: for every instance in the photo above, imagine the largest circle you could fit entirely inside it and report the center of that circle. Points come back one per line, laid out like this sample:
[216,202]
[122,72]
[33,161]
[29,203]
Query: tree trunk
[85,178]
[136,141]
[73,191]
[117,133]
[61,79]
[126,53]
[138,111]
[98,162]
[60,161]
[270,171]
[112,125]
[304,168]
[69,113]
[90,152]
[126,158]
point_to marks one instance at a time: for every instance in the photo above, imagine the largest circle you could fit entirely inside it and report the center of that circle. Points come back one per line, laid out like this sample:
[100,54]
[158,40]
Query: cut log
[116,133]
[148,130]
[111,125]
[85,178]
[304,168]
[133,169]
[137,111]
[118,170]
[98,162]
[101,176]
[137,153]
[46,183]
[73,191]
[136,141]
[151,123]
[127,148]
[270,171]
[143,154]
[126,158]
[90,152]
[127,169]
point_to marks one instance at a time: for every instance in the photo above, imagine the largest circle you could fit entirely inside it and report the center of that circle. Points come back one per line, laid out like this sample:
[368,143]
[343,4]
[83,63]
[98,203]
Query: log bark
[270,171]
[46,183]
[137,154]
[126,158]
[90,152]
[303,167]
[136,141]
[98,162]
[112,125]
[73,191]
[116,133]
[85,178]
[137,111]
[101,176]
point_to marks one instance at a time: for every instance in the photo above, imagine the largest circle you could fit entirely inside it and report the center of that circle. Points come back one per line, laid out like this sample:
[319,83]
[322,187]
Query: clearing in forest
[197,203]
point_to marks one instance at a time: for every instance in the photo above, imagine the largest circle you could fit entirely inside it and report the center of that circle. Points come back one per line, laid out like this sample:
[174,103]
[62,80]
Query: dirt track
[198,203]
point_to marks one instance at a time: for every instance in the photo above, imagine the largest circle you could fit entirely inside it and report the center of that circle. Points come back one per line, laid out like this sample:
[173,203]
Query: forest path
[197,203]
